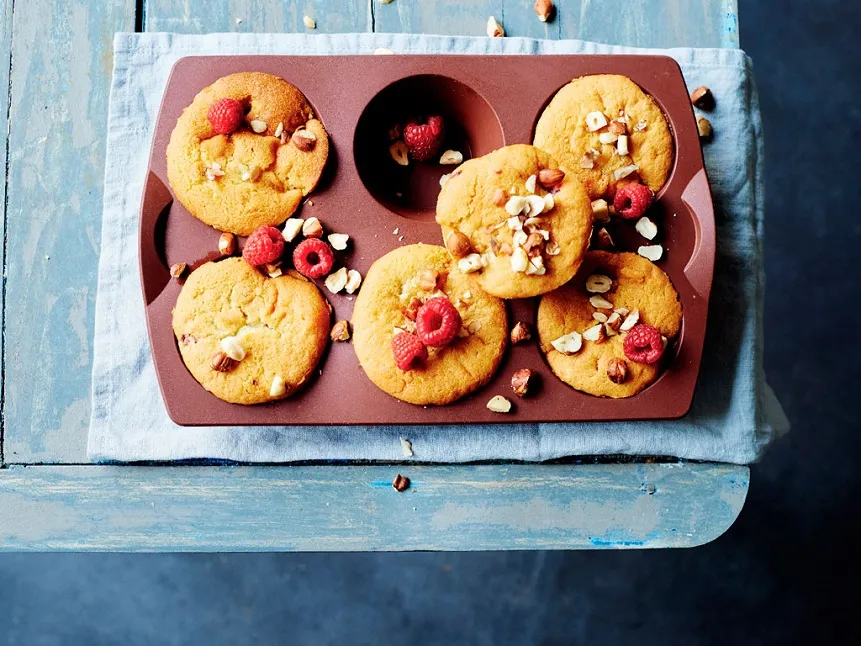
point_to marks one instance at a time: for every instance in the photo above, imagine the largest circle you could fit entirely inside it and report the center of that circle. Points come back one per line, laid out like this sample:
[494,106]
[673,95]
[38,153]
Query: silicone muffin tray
[487,102]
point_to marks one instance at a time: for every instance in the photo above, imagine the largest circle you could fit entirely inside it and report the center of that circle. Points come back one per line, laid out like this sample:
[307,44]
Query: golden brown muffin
[246,179]
[563,131]
[280,324]
[449,372]
[480,201]
[637,286]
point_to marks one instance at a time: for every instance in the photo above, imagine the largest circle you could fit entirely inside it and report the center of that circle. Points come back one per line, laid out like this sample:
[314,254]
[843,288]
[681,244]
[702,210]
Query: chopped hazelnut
[702,98]
[428,280]
[401,483]
[520,333]
[523,381]
[617,370]
[340,331]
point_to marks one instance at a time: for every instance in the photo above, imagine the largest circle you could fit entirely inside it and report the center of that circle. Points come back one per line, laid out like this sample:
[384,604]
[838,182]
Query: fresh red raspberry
[408,349]
[437,322]
[632,200]
[313,258]
[424,140]
[643,344]
[263,246]
[225,115]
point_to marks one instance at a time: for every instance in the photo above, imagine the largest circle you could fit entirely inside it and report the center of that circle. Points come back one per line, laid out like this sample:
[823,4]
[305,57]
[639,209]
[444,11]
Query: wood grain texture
[5,57]
[641,23]
[193,17]
[61,71]
[344,508]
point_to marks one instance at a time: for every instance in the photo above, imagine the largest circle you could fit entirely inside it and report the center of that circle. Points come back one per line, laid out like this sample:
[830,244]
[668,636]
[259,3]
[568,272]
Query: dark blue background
[785,573]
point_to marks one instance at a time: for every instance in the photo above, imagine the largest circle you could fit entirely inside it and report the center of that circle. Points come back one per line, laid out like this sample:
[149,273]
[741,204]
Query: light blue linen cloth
[734,415]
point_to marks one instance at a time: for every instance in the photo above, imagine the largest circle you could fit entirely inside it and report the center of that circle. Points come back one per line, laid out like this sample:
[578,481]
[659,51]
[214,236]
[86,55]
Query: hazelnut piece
[544,10]
[340,331]
[428,280]
[550,177]
[520,333]
[227,244]
[523,381]
[304,140]
[458,244]
[617,370]
[401,483]
[702,98]
[220,362]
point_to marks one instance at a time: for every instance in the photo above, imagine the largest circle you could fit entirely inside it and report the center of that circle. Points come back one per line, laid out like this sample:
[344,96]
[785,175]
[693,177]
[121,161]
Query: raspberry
[407,349]
[225,115]
[263,246]
[643,344]
[424,140]
[632,200]
[313,258]
[437,322]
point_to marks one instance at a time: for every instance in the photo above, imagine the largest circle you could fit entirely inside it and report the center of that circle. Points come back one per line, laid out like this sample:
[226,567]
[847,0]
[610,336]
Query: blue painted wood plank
[5,54]
[347,508]
[643,23]
[647,23]
[61,70]
[331,16]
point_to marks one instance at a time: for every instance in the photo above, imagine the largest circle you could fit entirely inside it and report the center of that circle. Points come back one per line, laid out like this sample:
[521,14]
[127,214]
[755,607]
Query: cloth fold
[734,414]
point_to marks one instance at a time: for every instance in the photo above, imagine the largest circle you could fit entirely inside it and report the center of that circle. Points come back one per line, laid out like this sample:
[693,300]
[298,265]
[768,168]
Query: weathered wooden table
[56,60]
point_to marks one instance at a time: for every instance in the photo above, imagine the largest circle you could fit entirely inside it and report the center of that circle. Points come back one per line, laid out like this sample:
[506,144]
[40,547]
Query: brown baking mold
[487,102]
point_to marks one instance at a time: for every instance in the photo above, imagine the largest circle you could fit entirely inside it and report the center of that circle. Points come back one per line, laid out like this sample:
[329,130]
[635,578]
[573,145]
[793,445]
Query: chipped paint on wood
[336,508]
[61,71]
[193,17]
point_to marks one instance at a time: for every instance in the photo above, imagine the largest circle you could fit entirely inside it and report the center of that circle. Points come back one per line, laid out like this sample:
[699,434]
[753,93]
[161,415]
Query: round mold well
[471,127]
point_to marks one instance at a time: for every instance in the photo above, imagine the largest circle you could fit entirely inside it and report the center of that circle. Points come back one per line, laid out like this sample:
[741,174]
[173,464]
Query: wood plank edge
[354,508]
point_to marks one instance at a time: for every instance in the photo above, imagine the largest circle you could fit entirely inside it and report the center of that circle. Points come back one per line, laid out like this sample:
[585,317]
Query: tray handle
[697,196]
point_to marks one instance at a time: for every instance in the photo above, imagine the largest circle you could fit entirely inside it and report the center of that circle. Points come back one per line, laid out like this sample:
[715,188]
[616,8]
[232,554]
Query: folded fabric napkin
[734,414]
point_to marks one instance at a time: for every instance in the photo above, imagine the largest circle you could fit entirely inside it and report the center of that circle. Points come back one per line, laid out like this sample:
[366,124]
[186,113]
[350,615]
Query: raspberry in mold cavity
[313,258]
[225,115]
[408,349]
[263,246]
[437,322]
[643,344]
[632,201]
[424,140]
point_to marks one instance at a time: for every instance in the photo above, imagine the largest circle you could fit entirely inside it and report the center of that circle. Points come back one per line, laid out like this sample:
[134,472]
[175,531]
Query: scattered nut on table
[704,128]
[544,9]
[401,483]
[703,98]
